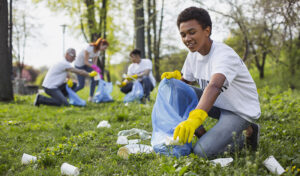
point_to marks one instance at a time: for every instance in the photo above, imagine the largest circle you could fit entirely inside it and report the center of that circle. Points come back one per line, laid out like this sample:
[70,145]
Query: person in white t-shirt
[54,83]
[227,91]
[87,60]
[140,69]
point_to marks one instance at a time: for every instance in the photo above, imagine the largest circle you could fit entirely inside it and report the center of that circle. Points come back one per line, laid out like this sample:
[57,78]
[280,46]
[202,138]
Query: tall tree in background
[139,26]
[6,92]
[92,16]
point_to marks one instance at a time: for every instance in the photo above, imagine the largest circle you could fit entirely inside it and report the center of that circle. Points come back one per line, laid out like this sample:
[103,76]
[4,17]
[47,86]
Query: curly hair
[135,52]
[195,13]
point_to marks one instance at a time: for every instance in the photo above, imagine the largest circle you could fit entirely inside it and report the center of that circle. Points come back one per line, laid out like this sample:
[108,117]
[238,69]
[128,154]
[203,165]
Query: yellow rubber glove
[93,74]
[175,74]
[70,83]
[131,77]
[122,84]
[186,129]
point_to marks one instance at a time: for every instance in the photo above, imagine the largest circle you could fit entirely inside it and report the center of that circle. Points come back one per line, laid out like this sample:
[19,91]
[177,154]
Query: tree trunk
[90,4]
[6,92]
[157,51]
[149,9]
[139,26]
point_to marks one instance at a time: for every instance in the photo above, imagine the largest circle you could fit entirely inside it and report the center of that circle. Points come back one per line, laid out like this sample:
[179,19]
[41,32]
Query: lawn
[70,134]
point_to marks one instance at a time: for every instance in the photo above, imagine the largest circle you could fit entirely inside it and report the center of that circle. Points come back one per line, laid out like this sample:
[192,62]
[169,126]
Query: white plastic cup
[68,169]
[27,159]
[273,165]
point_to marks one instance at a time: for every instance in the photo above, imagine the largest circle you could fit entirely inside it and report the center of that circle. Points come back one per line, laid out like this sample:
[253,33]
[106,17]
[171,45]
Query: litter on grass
[126,150]
[273,165]
[222,161]
[122,140]
[144,135]
[27,159]
[68,169]
[103,123]
[171,141]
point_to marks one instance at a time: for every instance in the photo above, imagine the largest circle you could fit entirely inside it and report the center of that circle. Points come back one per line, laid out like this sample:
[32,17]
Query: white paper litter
[222,161]
[273,165]
[122,140]
[27,159]
[170,141]
[103,123]
[68,169]
[125,151]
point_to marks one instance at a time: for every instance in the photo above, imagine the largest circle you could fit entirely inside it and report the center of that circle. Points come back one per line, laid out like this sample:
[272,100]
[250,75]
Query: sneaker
[253,140]
[36,100]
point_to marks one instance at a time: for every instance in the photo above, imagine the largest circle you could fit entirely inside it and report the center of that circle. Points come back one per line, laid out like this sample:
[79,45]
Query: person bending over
[54,83]
[227,91]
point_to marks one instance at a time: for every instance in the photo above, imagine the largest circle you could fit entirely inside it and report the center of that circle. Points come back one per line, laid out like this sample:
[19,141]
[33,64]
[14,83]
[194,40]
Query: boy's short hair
[135,52]
[195,13]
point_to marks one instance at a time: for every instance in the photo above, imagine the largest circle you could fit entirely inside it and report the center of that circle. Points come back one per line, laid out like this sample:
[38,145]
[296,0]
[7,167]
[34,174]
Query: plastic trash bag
[136,93]
[174,101]
[74,99]
[103,92]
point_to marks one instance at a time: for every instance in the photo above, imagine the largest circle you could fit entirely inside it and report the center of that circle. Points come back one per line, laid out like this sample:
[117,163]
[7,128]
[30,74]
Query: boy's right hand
[168,75]
[93,74]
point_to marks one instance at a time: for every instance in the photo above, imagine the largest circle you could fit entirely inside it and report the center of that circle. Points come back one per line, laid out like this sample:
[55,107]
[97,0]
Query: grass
[70,134]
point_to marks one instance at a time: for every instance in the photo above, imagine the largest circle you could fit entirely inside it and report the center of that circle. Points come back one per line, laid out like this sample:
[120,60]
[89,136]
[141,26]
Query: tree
[6,92]
[92,17]
[139,26]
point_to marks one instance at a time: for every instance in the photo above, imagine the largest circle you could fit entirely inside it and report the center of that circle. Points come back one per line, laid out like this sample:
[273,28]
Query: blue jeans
[81,80]
[58,96]
[146,83]
[226,135]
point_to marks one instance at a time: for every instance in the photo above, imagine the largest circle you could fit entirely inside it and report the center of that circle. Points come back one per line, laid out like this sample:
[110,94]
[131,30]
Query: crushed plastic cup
[171,141]
[222,161]
[122,140]
[103,123]
[68,169]
[273,165]
[125,151]
[133,141]
[142,133]
[27,159]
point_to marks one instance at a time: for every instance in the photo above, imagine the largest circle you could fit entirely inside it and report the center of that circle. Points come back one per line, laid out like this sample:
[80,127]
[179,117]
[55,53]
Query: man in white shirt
[54,83]
[140,69]
[227,91]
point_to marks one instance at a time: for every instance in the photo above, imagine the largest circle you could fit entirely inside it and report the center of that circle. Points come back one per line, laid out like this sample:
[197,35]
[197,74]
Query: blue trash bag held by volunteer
[174,101]
[136,93]
[103,92]
[74,99]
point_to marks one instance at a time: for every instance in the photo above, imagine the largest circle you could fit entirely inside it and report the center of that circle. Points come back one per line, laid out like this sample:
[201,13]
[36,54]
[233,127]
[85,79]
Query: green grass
[70,134]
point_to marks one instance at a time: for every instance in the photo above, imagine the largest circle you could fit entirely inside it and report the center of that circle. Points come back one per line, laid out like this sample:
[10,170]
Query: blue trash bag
[103,92]
[136,93]
[74,99]
[175,99]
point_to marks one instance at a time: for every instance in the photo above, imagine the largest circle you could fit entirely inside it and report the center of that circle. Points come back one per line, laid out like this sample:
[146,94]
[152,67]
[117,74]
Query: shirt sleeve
[226,64]
[187,69]
[148,64]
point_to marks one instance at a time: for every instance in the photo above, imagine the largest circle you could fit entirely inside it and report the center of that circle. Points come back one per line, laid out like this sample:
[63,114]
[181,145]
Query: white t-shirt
[79,62]
[239,93]
[137,68]
[56,75]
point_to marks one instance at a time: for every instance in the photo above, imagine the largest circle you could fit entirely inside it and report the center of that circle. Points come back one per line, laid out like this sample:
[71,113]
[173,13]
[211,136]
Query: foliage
[69,134]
